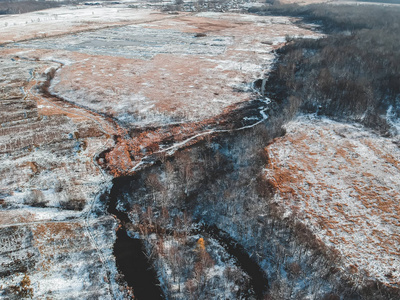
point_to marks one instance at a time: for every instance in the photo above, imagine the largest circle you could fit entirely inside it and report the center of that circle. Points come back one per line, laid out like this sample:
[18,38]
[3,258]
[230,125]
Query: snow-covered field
[141,67]
[69,19]
[48,185]
[169,68]
[343,181]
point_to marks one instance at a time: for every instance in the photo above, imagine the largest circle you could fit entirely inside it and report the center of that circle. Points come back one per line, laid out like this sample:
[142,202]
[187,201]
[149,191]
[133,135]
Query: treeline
[353,73]
[381,1]
[20,7]
[337,18]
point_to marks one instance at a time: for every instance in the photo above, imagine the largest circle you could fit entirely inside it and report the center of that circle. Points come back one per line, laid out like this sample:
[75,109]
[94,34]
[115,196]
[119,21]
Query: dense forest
[352,73]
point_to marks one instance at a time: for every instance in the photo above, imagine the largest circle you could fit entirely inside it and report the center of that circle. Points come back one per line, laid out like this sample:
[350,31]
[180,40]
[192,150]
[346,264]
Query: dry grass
[184,86]
[348,188]
[53,144]
[193,89]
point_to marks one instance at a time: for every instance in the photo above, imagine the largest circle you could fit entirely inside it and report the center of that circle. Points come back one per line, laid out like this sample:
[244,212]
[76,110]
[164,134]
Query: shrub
[23,290]
[73,204]
[35,198]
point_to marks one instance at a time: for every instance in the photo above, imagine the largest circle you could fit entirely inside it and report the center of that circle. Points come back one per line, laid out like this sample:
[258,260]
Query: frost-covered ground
[47,148]
[68,19]
[59,259]
[48,185]
[175,69]
[343,181]
[140,66]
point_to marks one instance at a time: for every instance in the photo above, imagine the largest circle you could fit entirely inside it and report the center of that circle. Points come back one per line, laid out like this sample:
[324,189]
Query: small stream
[130,257]
[137,269]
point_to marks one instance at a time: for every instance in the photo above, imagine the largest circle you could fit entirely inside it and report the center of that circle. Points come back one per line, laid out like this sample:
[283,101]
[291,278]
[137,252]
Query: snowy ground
[68,19]
[48,185]
[174,68]
[142,67]
[344,182]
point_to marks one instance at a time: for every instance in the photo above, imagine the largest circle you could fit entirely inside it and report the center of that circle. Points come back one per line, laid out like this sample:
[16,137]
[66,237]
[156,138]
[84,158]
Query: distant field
[159,68]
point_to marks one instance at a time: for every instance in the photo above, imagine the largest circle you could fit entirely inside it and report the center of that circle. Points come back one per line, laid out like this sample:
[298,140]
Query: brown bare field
[190,86]
[193,90]
[179,87]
